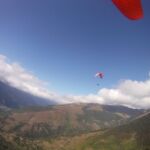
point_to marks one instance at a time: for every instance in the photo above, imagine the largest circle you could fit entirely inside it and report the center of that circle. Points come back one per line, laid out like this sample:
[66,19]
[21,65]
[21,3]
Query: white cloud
[129,93]
[18,77]
[134,94]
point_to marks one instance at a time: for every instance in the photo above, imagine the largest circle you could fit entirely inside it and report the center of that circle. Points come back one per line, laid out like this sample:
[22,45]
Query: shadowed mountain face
[12,142]
[14,98]
[66,120]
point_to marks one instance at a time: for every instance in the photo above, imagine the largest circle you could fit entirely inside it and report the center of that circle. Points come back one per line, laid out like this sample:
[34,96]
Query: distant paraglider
[132,9]
[99,75]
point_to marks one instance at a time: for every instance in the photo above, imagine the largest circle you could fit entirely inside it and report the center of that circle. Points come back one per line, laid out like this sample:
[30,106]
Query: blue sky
[65,42]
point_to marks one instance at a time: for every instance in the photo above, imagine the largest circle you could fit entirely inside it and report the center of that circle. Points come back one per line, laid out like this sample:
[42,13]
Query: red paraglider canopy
[130,8]
[99,74]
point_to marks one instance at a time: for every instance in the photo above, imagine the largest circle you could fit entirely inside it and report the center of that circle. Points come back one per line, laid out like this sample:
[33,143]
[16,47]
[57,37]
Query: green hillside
[64,120]
[132,136]
[74,127]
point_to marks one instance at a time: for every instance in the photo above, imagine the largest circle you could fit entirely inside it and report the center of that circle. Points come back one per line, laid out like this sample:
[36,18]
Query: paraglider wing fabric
[130,8]
[99,74]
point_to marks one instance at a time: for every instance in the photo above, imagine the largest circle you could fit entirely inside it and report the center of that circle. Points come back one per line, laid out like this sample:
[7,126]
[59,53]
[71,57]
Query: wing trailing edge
[132,9]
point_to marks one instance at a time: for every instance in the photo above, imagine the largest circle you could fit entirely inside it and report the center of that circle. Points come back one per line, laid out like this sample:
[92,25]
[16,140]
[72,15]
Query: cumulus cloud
[134,94]
[129,93]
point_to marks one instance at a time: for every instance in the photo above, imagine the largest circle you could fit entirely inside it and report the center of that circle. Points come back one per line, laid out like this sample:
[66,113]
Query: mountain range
[28,122]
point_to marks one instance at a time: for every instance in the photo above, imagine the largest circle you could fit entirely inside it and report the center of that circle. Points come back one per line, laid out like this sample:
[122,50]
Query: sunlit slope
[132,136]
[71,119]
